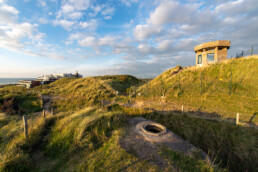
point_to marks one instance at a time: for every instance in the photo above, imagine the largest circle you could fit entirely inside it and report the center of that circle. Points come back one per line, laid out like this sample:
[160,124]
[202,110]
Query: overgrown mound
[19,100]
[71,94]
[224,88]
[120,82]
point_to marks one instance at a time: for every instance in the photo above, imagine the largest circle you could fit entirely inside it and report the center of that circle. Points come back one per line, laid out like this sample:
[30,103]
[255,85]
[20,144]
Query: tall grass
[230,146]
[15,149]
[17,99]
[208,89]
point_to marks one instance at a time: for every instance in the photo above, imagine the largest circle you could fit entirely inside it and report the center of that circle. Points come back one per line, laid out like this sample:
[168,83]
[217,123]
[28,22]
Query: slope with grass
[210,89]
[229,146]
[18,99]
[71,94]
[87,140]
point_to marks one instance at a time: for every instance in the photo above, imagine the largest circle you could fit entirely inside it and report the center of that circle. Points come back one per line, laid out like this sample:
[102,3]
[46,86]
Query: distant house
[211,52]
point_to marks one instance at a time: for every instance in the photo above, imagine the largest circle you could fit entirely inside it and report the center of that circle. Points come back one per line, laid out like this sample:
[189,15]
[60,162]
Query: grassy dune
[229,146]
[208,89]
[18,99]
[71,94]
[84,137]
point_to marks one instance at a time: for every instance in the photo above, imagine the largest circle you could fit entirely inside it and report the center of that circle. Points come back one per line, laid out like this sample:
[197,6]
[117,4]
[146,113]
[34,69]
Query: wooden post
[25,126]
[44,113]
[52,111]
[237,118]
[182,110]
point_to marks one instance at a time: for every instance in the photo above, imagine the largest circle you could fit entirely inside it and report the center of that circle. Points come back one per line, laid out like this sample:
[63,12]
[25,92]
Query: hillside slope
[71,94]
[209,89]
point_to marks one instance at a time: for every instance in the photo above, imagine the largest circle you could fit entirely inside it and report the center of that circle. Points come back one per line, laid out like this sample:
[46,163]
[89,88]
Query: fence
[246,52]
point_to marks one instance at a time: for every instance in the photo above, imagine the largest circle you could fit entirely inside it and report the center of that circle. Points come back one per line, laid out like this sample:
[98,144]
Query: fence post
[230,84]
[252,52]
[52,111]
[201,84]
[44,113]
[179,82]
[25,126]
[237,118]
[182,109]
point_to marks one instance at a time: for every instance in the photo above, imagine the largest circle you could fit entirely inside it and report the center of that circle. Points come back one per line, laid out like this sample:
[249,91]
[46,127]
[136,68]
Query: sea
[4,81]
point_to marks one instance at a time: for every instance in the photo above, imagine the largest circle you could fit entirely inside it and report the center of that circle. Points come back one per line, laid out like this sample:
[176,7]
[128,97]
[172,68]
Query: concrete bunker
[211,52]
[144,136]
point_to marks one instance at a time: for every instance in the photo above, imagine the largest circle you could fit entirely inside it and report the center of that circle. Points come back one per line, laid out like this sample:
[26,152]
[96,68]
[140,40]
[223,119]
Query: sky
[101,37]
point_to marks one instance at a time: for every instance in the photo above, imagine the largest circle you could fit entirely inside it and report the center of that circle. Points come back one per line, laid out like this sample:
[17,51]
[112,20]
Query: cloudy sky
[98,37]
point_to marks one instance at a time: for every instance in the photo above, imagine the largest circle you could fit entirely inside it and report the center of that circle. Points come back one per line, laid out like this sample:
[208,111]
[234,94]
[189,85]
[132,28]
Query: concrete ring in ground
[152,128]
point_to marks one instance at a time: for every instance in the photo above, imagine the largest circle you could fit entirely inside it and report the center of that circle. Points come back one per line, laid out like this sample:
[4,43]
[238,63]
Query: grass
[88,140]
[84,137]
[121,83]
[211,93]
[71,94]
[229,146]
[187,163]
[18,99]
[15,149]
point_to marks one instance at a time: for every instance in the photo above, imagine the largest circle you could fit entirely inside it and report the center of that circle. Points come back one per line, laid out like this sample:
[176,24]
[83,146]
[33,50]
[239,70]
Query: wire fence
[247,52]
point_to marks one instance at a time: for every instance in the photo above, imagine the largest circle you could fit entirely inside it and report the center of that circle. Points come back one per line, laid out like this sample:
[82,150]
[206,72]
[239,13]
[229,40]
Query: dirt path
[47,100]
[40,161]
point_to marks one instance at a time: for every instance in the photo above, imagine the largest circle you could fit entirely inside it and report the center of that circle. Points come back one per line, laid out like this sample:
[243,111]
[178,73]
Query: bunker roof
[212,44]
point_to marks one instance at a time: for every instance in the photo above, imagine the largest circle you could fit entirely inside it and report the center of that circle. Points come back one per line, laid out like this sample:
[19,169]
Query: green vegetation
[17,99]
[84,137]
[208,89]
[186,163]
[121,83]
[14,148]
[71,94]
[230,146]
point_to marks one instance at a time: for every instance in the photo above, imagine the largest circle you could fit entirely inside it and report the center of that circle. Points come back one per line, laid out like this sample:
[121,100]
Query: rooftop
[213,44]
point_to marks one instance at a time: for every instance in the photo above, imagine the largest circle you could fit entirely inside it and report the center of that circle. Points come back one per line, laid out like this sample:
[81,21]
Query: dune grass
[18,99]
[71,94]
[14,148]
[121,83]
[229,146]
[208,89]
[88,140]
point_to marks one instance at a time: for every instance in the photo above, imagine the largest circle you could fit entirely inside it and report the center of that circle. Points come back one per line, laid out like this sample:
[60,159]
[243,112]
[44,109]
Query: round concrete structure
[153,128]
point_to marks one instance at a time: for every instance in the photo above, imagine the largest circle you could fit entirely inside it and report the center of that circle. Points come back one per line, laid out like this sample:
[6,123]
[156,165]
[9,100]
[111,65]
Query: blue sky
[99,37]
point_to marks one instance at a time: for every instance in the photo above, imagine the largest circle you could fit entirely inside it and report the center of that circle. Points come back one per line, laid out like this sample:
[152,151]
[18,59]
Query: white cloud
[90,25]
[64,23]
[108,11]
[145,31]
[88,42]
[75,15]
[8,14]
[73,8]
[129,2]
[22,37]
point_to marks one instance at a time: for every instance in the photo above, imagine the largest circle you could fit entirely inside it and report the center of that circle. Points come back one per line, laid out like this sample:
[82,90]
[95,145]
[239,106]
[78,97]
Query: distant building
[51,78]
[211,52]
[46,79]
[29,83]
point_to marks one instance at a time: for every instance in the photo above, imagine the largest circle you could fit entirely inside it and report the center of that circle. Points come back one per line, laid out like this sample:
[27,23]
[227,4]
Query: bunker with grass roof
[211,52]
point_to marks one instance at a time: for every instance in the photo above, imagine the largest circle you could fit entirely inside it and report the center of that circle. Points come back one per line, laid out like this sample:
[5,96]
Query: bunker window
[210,56]
[199,59]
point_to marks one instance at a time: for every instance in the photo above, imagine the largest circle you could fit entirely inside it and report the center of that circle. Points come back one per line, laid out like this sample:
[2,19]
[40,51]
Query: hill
[91,120]
[219,90]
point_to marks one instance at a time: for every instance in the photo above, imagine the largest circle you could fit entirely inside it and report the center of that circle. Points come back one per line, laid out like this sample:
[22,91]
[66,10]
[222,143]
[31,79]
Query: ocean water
[4,81]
